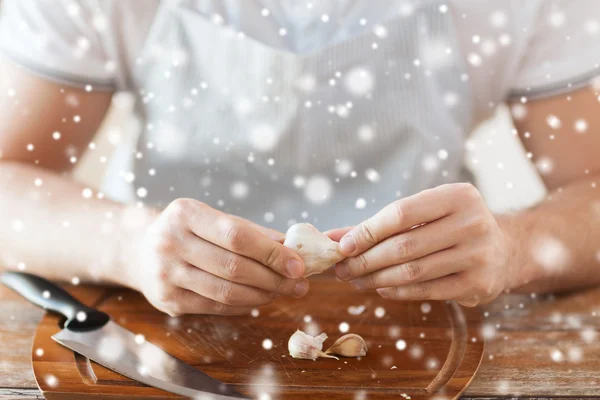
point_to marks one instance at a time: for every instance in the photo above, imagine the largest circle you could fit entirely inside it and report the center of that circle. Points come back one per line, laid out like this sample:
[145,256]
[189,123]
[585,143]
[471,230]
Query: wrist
[132,223]
[516,233]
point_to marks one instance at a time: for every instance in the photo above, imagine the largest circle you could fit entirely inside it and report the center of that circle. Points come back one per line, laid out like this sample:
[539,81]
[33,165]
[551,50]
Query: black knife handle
[52,297]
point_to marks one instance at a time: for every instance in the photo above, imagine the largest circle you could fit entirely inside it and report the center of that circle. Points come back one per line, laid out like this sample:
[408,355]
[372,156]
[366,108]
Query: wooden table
[542,347]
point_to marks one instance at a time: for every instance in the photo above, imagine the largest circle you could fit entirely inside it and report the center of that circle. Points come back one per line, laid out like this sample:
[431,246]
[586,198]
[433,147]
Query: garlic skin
[317,250]
[349,345]
[301,345]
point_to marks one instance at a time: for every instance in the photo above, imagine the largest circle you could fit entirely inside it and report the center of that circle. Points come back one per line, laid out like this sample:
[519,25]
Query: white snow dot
[359,81]
[18,225]
[344,327]
[299,181]
[39,352]
[46,294]
[265,12]
[75,281]
[372,175]
[575,354]
[474,59]
[380,31]
[343,167]
[400,345]
[282,32]
[360,203]
[581,125]
[544,165]
[263,137]
[255,312]
[379,312]
[442,154]
[498,19]
[450,99]
[51,380]
[30,147]
[556,355]
[556,19]
[318,189]
[592,27]
[443,8]
[239,190]
[56,135]
[77,119]
[81,316]
[553,121]
[139,338]
[88,88]
[518,111]
[38,182]
[325,18]
[425,308]
[269,217]
[83,43]
[141,192]
[430,163]
[87,193]
[366,133]
[267,344]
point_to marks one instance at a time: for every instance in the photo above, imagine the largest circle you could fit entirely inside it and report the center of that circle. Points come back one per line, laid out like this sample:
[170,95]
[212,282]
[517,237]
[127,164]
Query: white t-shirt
[285,110]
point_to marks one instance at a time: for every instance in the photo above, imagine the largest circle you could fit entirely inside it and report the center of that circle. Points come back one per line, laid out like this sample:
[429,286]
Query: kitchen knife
[92,333]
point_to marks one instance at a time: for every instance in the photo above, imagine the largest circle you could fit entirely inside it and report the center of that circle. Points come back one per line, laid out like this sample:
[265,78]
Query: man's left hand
[440,244]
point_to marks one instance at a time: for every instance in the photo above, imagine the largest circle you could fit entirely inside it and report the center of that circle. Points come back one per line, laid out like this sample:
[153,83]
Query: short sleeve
[61,40]
[563,52]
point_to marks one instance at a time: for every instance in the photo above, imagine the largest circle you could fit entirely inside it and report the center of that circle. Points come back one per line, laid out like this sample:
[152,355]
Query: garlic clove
[301,345]
[349,345]
[317,250]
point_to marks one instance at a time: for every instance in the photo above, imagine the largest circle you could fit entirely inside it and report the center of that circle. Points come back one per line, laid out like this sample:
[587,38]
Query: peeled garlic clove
[349,345]
[317,250]
[301,345]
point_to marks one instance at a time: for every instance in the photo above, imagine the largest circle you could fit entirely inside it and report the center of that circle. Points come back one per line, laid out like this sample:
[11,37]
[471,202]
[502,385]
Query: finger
[337,234]
[238,236]
[447,288]
[410,245]
[188,302]
[434,266]
[236,268]
[426,206]
[218,289]
[272,233]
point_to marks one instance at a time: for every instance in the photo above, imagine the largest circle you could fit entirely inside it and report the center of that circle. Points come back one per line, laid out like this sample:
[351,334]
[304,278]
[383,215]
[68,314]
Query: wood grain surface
[523,332]
[444,347]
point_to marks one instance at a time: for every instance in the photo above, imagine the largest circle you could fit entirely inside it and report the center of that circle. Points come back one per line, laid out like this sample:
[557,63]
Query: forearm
[554,245]
[52,228]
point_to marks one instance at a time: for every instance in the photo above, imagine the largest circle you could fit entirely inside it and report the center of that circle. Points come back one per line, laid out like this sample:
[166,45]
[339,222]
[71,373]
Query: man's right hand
[193,259]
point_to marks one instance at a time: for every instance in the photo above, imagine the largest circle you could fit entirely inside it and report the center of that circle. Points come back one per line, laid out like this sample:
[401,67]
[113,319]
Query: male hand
[194,259]
[440,244]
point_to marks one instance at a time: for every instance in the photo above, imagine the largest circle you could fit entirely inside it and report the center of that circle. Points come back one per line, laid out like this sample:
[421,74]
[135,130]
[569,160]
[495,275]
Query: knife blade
[93,334]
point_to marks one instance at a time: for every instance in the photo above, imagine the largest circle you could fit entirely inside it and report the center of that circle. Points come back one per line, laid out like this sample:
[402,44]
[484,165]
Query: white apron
[277,129]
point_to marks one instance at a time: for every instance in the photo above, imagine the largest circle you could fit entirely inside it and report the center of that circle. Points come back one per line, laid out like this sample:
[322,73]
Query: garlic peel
[301,345]
[317,250]
[349,345]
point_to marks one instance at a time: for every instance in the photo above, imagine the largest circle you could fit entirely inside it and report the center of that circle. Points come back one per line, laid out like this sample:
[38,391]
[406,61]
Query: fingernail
[357,284]
[342,271]
[294,268]
[347,244]
[382,292]
[301,289]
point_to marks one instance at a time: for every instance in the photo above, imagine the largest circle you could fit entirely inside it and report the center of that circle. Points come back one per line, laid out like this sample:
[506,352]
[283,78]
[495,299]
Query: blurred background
[505,177]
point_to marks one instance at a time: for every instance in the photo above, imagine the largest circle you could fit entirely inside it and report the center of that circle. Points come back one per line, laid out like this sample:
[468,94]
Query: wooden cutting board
[417,349]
